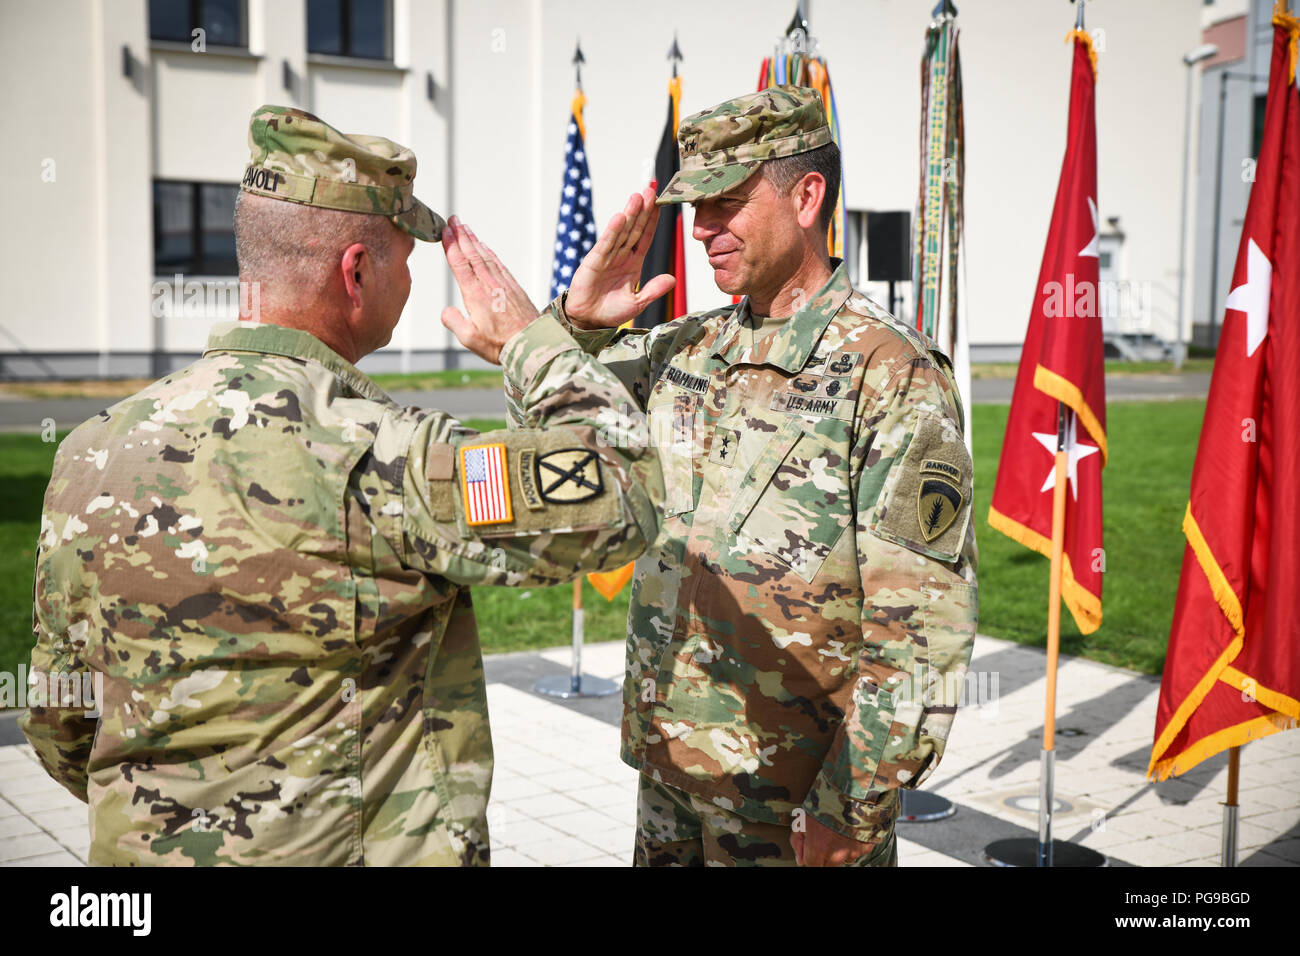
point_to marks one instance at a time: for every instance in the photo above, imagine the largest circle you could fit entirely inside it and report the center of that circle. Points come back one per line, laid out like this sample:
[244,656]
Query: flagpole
[575,674]
[576,684]
[1047,852]
[1024,851]
[1047,760]
[1228,854]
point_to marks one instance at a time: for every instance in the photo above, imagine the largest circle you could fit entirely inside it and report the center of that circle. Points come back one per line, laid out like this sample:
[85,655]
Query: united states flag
[576,232]
[487,488]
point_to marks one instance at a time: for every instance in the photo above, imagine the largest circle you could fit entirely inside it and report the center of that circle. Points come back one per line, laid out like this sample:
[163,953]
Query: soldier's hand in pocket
[496,306]
[822,846]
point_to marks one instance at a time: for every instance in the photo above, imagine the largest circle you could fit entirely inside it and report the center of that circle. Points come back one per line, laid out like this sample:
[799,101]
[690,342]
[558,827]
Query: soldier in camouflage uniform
[267,560]
[799,632]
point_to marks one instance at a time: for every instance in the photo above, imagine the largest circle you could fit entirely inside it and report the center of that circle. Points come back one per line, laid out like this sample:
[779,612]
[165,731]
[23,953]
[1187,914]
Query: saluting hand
[498,307]
[603,293]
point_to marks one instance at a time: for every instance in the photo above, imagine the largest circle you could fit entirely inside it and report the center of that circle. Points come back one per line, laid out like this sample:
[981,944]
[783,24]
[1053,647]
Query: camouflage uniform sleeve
[624,351]
[574,419]
[917,558]
[60,735]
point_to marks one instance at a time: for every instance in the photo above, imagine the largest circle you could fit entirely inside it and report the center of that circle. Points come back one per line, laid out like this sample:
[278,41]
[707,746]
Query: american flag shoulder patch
[485,484]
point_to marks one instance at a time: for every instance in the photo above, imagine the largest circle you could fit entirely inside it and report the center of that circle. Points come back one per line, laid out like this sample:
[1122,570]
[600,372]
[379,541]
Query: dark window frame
[345,34]
[196,21]
[1257,105]
[200,264]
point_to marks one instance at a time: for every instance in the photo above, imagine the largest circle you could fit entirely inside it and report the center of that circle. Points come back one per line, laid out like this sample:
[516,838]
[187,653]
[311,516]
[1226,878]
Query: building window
[1257,124]
[194,228]
[223,22]
[355,28]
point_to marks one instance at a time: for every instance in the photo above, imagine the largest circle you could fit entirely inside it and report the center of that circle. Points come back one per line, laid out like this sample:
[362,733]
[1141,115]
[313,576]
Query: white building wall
[76,249]
[1016,73]
[490,143]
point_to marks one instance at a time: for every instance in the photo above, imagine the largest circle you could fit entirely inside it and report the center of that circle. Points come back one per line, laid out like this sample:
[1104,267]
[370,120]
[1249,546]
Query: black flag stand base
[1025,851]
[920,807]
[1042,851]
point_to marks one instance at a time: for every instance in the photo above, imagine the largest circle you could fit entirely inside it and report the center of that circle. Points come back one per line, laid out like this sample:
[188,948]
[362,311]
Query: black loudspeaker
[889,246]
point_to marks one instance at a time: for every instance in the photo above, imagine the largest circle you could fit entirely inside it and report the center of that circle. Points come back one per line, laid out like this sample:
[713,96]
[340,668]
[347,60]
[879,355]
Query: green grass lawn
[1145,486]
[451,378]
[1113,367]
[1152,447]
[25,463]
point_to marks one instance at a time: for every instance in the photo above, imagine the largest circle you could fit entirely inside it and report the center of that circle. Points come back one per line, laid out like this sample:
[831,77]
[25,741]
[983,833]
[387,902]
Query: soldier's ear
[350,264]
[808,195]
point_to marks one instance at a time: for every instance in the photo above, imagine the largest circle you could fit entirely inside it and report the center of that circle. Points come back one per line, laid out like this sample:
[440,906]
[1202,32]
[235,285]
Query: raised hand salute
[603,293]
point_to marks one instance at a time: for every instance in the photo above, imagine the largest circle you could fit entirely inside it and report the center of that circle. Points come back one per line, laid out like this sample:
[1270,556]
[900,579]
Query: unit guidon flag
[485,484]
[1232,671]
[1062,363]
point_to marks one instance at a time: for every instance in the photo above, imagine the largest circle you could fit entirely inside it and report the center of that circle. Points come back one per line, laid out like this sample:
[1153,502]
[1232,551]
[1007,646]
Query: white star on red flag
[1091,248]
[1075,452]
[1252,296]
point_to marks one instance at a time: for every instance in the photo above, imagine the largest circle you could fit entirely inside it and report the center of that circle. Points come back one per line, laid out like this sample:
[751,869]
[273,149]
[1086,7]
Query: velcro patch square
[925,504]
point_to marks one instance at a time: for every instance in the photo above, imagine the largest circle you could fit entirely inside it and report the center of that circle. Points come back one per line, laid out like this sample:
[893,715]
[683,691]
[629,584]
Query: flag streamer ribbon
[940,205]
[797,67]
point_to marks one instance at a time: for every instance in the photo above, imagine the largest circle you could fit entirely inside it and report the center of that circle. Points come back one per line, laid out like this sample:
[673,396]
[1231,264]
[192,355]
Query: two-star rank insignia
[726,442]
[568,475]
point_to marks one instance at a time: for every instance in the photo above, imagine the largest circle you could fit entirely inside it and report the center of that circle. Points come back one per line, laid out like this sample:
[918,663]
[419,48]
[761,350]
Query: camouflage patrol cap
[300,158]
[722,147]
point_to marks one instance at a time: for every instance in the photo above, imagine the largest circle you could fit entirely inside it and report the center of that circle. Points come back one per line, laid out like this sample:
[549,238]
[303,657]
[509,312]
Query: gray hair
[290,246]
[784,172]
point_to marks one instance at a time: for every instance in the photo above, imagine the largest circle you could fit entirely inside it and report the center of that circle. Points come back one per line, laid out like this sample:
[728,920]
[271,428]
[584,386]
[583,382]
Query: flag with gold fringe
[1232,670]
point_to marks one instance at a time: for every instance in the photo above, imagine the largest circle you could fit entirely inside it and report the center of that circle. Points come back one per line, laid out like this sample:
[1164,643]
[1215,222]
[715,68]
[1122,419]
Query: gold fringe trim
[1063,390]
[1218,742]
[1269,698]
[1189,704]
[1219,586]
[1082,37]
[1085,607]
[579,101]
[1283,19]
[1231,607]
[1288,709]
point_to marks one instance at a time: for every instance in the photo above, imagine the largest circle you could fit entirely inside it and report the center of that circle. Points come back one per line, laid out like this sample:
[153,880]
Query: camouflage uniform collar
[293,343]
[791,345]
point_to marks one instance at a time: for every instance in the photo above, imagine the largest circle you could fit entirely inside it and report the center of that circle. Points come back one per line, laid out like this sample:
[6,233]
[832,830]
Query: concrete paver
[562,797]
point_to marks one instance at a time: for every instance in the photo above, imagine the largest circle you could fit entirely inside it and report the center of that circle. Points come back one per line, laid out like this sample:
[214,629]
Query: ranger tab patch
[569,475]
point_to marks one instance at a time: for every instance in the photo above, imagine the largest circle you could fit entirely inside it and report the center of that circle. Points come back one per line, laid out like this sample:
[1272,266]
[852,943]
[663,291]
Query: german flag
[668,249]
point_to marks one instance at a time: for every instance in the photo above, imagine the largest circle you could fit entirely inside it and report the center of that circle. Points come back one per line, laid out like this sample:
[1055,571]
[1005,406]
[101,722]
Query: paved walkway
[29,415]
[561,797]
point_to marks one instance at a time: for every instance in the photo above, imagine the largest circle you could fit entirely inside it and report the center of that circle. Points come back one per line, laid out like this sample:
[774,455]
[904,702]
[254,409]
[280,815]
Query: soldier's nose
[702,229]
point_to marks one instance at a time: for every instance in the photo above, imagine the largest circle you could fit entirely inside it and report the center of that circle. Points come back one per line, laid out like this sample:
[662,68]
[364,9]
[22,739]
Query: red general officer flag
[1232,671]
[1063,362]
